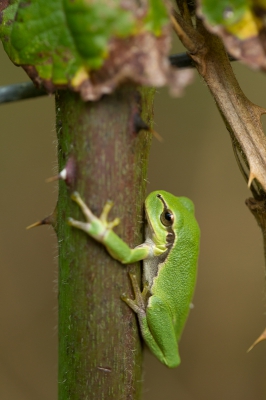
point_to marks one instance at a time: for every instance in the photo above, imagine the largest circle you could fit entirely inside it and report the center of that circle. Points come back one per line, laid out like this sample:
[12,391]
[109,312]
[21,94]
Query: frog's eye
[167,218]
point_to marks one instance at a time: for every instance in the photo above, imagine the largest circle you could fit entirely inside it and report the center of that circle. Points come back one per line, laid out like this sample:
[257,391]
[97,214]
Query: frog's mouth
[149,223]
[169,232]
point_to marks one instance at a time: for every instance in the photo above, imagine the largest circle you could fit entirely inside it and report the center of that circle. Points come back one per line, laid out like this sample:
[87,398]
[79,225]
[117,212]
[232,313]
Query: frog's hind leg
[155,324]
[161,327]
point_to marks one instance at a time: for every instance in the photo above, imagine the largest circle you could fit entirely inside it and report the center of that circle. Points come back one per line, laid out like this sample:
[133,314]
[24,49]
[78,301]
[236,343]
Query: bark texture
[106,156]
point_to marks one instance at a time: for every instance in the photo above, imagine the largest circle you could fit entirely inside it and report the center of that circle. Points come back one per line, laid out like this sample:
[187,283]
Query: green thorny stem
[104,151]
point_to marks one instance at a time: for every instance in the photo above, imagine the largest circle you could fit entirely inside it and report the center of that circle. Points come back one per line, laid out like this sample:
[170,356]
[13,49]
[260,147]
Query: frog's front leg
[95,227]
[155,324]
[102,231]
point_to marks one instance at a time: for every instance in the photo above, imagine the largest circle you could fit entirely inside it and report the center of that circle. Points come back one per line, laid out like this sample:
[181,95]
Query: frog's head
[166,214]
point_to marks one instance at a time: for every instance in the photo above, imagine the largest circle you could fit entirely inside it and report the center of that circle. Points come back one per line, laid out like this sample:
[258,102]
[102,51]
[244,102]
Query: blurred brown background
[195,160]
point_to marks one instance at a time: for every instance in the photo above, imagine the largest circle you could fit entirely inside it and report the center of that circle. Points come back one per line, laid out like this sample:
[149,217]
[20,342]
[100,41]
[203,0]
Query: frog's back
[178,271]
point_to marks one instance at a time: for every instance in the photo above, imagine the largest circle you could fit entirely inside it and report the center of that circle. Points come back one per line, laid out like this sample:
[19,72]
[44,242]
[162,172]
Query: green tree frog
[169,254]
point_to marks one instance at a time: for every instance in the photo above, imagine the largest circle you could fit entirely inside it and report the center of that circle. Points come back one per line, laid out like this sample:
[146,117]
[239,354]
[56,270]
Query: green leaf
[241,25]
[65,40]
[224,12]
[241,18]
[157,17]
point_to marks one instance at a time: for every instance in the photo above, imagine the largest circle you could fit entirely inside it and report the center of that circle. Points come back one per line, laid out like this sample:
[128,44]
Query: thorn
[52,179]
[156,135]
[61,175]
[38,223]
[260,338]
[68,174]
[139,124]
[50,220]
[251,177]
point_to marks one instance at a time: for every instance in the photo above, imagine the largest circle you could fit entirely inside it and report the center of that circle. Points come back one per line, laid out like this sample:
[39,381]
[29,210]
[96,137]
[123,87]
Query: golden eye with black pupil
[167,218]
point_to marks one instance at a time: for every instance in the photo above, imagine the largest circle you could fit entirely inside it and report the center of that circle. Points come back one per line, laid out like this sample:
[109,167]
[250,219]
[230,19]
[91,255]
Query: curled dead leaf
[92,47]
[141,59]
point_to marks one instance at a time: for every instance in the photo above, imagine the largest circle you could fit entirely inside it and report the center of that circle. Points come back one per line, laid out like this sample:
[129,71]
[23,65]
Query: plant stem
[99,346]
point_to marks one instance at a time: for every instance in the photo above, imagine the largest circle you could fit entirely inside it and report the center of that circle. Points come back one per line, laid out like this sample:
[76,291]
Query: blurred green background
[195,160]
